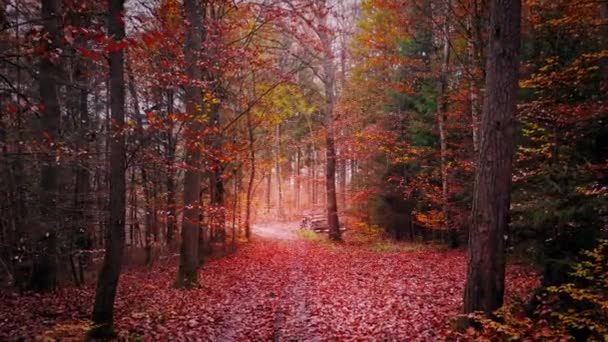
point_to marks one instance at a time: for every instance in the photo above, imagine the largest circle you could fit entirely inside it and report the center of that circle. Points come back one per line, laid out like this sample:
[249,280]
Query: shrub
[577,310]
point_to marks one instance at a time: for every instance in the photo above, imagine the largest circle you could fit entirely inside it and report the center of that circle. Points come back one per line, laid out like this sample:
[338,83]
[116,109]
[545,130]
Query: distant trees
[415,95]
[287,106]
[89,169]
[412,128]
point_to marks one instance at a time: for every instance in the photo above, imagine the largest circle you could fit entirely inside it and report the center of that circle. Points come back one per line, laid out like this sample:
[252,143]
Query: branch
[258,99]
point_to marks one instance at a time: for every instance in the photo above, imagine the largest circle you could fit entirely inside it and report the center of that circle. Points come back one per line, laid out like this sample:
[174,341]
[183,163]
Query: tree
[249,195]
[329,84]
[442,108]
[45,263]
[103,309]
[491,202]
[187,275]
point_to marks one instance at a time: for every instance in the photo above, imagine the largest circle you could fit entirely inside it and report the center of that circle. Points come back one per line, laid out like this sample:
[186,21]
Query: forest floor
[283,286]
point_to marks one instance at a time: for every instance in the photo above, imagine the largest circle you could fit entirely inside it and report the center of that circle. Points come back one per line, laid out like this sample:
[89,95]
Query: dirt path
[280,287]
[340,292]
[276,231]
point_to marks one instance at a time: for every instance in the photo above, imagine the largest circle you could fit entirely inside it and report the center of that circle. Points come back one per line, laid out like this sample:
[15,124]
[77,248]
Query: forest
[304,170]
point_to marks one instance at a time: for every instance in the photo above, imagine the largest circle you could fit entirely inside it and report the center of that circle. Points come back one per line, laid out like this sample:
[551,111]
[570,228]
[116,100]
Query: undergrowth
[576,311]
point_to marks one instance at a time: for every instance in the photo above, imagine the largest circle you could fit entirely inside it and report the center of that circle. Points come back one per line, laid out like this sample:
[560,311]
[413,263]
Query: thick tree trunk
[45,263]
[103,310]
[187,276]
[490,216]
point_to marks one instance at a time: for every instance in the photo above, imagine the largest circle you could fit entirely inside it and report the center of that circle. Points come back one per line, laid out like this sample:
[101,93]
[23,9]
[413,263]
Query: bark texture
[329,84]
[187,276]
[490,216]
[44,272]
[103,310]
[249,198]
[442,108]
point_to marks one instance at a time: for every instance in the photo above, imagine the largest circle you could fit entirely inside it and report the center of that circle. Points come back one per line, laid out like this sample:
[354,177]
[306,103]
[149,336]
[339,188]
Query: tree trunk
[10,159]
[297,179]
[83,218]
[187,276]
[133,224]
[83,202]
[476,69]
[150,221]
[280,213]
[313,176]
[330,152]
[45,263]
[251,177]
[342,177]
[83,176]
[604,42]
[149,215]
[442,108]
[171,174]
[491,199]
[235,206]
[218,226]
[269,191]
[107,282]
[156,188]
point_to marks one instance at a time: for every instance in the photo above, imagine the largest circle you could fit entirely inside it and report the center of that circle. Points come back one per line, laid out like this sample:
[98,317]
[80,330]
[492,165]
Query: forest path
[291,319]
[276,231]
[282,286]
[332,291]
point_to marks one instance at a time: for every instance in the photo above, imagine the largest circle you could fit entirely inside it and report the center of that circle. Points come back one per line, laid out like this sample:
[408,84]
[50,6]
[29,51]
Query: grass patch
[362,234]
[385,246]
[309,235]
[321,239]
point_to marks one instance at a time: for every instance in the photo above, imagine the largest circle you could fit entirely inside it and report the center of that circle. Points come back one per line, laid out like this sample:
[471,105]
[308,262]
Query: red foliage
[290,290]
